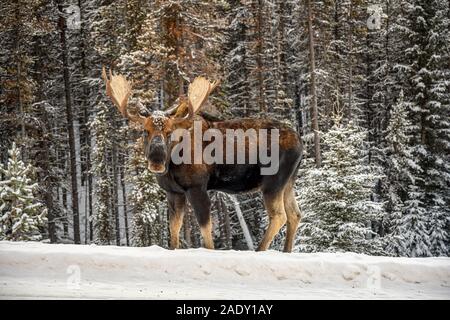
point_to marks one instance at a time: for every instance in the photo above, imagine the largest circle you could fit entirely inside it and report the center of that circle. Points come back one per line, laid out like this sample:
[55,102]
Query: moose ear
[142,110]
[180,123]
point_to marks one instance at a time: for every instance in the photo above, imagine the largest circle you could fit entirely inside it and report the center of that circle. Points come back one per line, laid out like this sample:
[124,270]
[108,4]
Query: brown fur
[192,181]
[177,207]
[293,215]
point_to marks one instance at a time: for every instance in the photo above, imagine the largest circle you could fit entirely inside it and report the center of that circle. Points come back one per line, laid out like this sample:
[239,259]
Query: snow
[39,270]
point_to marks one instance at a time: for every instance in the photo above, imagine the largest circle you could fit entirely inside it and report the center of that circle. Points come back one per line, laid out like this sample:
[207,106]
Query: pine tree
[438,175]
[21,216]
[336,197]
[237,62]
[407,221]
[18,27]
[423,73]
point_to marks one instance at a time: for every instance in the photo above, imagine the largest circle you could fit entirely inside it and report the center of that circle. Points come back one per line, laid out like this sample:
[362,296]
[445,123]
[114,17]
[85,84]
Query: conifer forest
[364,82]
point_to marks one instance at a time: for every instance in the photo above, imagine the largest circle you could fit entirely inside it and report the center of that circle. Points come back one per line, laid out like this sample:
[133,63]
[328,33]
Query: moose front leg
[199,199]
[177,205]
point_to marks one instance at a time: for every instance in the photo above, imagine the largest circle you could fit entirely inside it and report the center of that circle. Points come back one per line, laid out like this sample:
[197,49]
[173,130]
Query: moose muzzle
[157,155]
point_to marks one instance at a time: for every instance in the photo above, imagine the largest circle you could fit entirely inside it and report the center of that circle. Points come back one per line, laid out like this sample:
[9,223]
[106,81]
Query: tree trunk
[48,183]
[219,205]
[387,90]
[19,97]
[70,127]
[314,112]
[18,40]
[280,99]
[259,53]
[115,194]
[247,235]
[178,46]
[65,219]
[227,225]
[350,62]
[85,130]
[187,227]
[124,200]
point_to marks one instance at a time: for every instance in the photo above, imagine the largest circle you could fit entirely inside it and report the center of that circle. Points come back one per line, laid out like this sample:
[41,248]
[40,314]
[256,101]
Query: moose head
[158,125]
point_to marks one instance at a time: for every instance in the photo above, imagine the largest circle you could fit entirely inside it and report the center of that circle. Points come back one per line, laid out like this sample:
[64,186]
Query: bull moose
[191,181]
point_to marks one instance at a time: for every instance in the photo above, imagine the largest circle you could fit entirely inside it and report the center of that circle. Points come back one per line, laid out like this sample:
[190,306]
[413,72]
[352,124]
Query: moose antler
[178,110]
[119,90]
[198,92]
[177,107]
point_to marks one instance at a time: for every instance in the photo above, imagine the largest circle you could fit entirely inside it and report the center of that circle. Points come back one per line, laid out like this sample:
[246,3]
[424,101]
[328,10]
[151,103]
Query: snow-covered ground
[37,270]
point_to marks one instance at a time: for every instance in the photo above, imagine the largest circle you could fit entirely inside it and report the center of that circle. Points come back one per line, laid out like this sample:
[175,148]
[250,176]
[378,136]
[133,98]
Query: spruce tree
[21,216]
[147,201]
[423,74]
[336,197]
[437,178]
[406,220]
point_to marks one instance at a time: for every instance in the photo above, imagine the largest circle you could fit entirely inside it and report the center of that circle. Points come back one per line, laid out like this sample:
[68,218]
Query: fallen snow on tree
[38,270]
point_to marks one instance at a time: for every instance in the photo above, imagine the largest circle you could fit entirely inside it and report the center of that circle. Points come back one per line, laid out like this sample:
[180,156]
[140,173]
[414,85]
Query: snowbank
[29,270]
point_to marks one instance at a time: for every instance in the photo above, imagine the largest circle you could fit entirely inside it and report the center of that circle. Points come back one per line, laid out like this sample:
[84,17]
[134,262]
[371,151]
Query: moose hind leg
[293,216]
[206,231]
[201,204]
[177,204]
[277,217]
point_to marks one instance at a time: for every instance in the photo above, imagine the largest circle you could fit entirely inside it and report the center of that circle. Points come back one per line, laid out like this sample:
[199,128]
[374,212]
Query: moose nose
[157,140]
[157,150]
